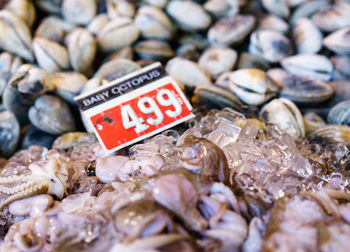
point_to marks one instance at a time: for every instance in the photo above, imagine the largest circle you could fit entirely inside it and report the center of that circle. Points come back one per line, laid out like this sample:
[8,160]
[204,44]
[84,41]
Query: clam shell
[188,51]
[125,53]
[217,60]
[341,65]
[24,86]
[277,7]
[341,92]
[117,34]
[116,68]
[8,65]
[24,9]
[73,139]
[307,9]
[49,30]
[285,115]
[333,17]
[313,122]
[68,84]
[82,48]
[340,114]
[154,23]
[52,115]
[338,41]
[331,134]
[51,56]
[34,136]
[188,15]
[277,75]
[247,60]
[50,6]
[157,3]
[271,45]
[222,8]
[307,37]
[305,90]
[96,24]
[312,65]
[79,12]
[272,22]
[232,30]
[154,50]
[252,86]
[216,97]
[187,72]
[15,35]
[120,8]
[9,132]
[295,3]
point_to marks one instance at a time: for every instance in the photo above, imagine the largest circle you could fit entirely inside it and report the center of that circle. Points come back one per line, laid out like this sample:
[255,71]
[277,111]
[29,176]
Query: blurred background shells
[51,56]
[117,33]
[24,9]
[271,45]
[15,36]
[188,15]
[82,46]
[79,11]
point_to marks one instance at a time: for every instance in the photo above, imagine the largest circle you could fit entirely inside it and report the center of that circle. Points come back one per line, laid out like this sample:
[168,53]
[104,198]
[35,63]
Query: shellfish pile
[264,165]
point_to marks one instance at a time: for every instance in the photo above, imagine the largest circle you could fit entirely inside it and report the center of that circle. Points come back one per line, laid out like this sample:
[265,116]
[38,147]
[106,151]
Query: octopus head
[54,174]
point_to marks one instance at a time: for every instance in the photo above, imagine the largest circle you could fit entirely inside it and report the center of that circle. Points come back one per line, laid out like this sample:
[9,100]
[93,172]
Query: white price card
[134,107]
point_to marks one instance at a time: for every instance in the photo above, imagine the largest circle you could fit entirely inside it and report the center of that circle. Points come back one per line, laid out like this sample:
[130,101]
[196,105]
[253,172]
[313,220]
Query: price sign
[135,107]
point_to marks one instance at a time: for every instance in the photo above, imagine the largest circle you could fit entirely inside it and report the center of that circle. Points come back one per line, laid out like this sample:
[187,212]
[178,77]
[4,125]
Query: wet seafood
[267,172]
[52,115]
[117,33]
[338,41]
[81,47]
[79,11]
[285,115]
[188,15]
[271,45]
[305,90]
[154,23]
[51,56]
[252,86]
[307,37]
[9,132]
[231,30]
[25,85]
[339,114]
[312,65]
[51,179]
[218,60]
[15,36]
[178,67]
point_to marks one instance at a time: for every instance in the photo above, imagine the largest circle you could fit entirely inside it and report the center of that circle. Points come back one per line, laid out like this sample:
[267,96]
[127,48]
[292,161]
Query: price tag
[134,107]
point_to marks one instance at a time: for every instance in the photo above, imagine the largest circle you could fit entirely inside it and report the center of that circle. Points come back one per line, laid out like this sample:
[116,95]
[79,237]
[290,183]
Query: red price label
[141,117]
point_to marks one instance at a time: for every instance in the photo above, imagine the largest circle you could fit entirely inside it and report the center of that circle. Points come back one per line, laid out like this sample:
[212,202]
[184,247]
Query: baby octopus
[51,178]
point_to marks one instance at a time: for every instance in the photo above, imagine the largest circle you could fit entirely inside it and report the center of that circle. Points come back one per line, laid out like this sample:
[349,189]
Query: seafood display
[262,166]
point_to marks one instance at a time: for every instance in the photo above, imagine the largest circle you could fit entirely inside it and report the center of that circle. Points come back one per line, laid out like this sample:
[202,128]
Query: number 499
[148,106]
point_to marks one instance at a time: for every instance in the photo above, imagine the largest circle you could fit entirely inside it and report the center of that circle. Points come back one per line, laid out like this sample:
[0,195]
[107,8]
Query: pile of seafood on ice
[267,169]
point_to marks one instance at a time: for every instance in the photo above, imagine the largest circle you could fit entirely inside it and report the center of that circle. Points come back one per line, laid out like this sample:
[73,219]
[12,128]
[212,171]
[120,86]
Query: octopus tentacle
[15,179]
[28,192]
[17,188]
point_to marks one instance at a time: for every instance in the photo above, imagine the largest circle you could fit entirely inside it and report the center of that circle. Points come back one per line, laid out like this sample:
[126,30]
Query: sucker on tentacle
[37,189]
[17,188]
[52,179]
